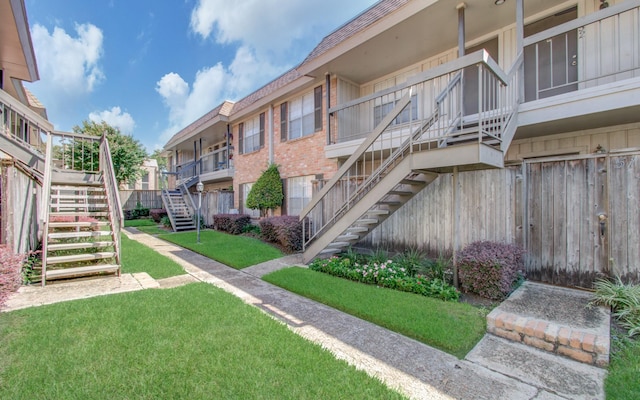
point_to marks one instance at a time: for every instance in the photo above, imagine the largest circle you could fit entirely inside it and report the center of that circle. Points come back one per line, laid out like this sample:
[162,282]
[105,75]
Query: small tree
[266,194]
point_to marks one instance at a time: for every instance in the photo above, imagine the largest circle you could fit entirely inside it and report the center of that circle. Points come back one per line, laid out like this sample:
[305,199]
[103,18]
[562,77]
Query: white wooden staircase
[80,239]
[405,153]
[81,214]
[178,211]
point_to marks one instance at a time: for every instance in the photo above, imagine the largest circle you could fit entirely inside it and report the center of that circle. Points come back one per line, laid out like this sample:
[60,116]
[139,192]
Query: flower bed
[389,274]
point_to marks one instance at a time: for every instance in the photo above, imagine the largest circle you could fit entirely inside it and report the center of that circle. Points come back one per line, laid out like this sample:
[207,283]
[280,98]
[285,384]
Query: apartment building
[430,124]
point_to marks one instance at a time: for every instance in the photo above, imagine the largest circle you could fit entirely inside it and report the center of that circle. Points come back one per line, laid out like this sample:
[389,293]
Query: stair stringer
[371,199]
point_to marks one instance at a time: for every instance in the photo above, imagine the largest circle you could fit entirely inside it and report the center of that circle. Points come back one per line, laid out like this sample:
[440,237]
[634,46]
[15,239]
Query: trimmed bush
[490,269]
[10,272]
[157,214]
[285,230]
[231,223]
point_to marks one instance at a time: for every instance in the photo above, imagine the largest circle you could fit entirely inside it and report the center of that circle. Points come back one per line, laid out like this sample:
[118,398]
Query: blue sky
[151,67]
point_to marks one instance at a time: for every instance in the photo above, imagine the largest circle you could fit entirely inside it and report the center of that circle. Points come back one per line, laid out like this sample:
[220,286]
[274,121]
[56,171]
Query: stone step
[555,319]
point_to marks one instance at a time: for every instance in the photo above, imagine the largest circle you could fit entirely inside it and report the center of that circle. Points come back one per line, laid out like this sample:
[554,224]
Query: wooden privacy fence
[216,202]
[148,199]
[578,217]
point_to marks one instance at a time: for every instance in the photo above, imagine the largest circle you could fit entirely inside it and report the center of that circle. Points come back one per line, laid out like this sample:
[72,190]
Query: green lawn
[449,326]
[137,257]
[191,342]
[232,250]
[152,230]
[623,380]
[139,222]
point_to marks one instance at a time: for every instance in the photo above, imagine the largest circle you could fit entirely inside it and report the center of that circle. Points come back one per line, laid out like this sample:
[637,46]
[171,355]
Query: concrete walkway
[495,369]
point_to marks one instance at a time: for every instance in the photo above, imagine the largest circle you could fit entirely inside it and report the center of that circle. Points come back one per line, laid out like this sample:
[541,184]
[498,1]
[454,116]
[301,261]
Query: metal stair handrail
[399,144]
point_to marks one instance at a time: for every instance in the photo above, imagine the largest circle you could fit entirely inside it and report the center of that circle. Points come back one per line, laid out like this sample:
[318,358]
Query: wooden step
[367,221]
[78,224]
[337,245]
[79,214]
[81,245]
[82,234]
[80,257]
[413,182]
[390,203]
[78,271]
[62,187]
[377,212]
[400,193]
[357,229]
[78,197]
[347,238]
[185,228]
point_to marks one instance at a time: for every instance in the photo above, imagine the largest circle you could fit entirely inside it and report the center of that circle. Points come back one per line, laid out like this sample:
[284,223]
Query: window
[145,181]
[251,134]
[411,111]
[305,114]
[246,188]
[299,192]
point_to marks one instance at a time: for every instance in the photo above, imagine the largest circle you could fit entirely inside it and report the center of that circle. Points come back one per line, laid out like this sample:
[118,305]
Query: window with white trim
[252,134]
[246,188]
[145,181]
[299,192]
[305,114]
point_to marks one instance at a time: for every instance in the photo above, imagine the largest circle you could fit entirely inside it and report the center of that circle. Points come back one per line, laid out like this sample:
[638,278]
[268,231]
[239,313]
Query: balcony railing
[23,124]
[593,50]
[468,99]
[217,160]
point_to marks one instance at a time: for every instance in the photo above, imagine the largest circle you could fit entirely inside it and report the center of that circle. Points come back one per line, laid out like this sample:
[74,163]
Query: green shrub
[623,299]
[490,269]
[165,221]
[266,193]
[386,274]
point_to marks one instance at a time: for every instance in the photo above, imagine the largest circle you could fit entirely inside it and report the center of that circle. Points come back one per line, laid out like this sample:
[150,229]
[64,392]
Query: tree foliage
[266,194]
[127,153]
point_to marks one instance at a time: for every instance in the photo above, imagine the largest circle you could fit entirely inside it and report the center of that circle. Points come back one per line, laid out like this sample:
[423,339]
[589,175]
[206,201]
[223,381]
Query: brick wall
[298,157]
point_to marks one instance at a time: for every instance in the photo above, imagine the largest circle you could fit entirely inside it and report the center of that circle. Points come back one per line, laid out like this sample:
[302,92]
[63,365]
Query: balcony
[211,167]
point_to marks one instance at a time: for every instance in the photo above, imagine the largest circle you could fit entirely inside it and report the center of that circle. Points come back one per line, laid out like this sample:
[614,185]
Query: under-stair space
[80,236]
[409,147]
[178,210]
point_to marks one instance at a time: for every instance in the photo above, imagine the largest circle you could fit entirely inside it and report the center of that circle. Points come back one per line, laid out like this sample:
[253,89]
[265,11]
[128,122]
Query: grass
[232,250]
[137,257]
[448,326]
[191,342]
[152,230]
[622,380]
[139,222]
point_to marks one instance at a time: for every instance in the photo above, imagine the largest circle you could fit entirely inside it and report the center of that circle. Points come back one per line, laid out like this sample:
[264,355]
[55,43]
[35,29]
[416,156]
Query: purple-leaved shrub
[285,230]
[490,269]
[10,272]
[231,223]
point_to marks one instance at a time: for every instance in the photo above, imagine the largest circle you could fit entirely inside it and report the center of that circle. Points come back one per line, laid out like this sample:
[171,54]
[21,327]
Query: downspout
[270,133]
[228,164]
[327,83]
[520,45]
[461,33]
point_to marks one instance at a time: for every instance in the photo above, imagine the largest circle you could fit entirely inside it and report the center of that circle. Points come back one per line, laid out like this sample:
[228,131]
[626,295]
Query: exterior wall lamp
[499,2]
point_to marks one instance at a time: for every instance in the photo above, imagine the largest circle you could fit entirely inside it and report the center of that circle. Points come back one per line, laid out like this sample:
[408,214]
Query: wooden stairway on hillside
[80,236]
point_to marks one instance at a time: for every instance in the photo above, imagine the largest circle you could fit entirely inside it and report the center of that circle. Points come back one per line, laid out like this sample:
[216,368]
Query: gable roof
[222,112]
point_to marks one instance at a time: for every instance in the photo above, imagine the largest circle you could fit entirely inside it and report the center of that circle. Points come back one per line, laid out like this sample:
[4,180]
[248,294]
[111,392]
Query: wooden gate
[583,219]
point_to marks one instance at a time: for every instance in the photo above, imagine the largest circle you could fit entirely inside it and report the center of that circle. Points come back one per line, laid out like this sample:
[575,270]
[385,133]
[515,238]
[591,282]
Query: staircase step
[80,257]
[185,227]
[390,203]
[367,221]
[347,238]
[78,197]
[78,224]
[62,186]
[401,192]
[83,234]
[79,214]
[357,229]
[377,212]
[81,245]
[77,271]
[413,182]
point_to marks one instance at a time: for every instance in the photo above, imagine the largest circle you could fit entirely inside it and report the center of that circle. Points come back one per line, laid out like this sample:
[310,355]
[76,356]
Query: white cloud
[270,37]
[69,65]
[116,118]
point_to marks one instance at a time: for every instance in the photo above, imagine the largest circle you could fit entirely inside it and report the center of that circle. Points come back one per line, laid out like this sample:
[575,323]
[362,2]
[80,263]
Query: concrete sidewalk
[415,369]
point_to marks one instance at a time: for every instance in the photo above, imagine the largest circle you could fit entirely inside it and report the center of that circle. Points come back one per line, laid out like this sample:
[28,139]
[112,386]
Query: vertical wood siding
[550,207]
